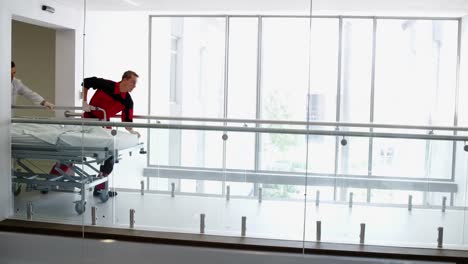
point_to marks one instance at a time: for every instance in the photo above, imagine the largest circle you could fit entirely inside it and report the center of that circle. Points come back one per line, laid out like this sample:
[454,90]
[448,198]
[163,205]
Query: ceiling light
[108,240]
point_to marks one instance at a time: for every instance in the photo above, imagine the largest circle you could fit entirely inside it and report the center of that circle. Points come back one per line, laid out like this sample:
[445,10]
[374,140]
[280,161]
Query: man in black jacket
[113,97]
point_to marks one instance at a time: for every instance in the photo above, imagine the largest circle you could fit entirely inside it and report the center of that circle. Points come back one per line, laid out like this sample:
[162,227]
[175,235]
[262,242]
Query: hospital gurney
[77,151]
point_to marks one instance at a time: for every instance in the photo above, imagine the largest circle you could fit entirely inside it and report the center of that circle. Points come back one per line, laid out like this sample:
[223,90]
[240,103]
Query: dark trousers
[108,165]
[106,169]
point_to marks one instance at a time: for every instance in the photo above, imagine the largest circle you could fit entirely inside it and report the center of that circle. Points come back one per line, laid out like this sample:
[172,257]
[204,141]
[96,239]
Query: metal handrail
[261,121]
[295,123]
[224,129]
[58,107]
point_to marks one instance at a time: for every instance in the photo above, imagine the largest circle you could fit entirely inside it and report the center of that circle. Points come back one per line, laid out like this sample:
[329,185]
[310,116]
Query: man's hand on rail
[133,132]
[86,107]
[48,105]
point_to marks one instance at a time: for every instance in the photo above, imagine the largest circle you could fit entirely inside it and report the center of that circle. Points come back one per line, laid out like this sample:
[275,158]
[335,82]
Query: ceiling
[452,8]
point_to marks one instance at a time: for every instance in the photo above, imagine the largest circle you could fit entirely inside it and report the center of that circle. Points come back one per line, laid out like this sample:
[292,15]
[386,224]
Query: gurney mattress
[62,136]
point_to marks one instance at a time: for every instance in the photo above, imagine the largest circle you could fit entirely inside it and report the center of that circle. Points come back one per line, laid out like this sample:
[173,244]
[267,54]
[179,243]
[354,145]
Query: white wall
[5,110]
[29,11]
[67,77]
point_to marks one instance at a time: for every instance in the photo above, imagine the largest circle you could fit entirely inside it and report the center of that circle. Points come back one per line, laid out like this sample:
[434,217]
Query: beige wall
[33,51]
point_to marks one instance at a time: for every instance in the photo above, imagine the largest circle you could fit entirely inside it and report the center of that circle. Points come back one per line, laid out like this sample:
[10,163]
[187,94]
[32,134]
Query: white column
[5,111]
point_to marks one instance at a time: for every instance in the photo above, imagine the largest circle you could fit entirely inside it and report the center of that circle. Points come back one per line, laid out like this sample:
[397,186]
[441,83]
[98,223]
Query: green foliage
[279,191]
[275,110]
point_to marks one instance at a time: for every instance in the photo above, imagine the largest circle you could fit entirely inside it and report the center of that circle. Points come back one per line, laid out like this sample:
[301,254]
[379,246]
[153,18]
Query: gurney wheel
[80,207]
[16,189]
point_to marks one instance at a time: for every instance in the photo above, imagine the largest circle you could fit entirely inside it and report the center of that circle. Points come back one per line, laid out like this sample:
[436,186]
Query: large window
[415,84]
[361,70]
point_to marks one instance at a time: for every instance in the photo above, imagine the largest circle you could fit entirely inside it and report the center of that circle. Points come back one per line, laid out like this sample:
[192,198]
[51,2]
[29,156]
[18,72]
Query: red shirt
[109,98]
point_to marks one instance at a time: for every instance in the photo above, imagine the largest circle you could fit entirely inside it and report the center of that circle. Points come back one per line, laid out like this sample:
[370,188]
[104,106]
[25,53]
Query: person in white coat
[18,88]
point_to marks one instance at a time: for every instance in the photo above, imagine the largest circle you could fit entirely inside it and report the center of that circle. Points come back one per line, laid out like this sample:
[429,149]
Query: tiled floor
[394,226]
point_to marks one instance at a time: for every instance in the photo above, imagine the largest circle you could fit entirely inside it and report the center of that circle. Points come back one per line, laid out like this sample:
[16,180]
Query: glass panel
[240,151]
[424,59]
[240,161]
[194,87]
[263,176]
[415,66]
[321,154]
[285,91]
[54,167]
[323,69]
[282,152]
[284,68]
[242,84]
[132,160]
[398,158]
[356,70]
[242,89]
[194,49]
[199,149]
[353,156]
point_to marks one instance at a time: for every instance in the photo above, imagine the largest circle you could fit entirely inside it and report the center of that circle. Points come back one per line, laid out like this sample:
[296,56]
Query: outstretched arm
[32,96]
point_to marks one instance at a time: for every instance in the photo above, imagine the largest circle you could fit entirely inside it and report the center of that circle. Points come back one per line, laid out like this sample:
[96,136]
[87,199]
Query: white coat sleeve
[23,90]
